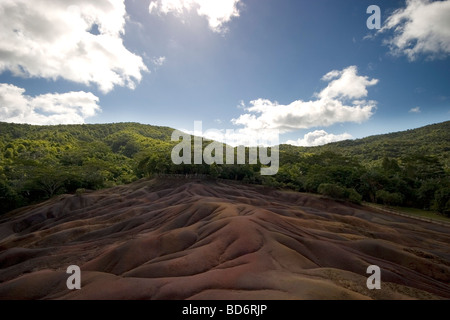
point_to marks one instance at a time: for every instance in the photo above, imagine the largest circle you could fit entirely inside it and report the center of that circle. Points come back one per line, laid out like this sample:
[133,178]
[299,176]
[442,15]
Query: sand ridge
[200,239]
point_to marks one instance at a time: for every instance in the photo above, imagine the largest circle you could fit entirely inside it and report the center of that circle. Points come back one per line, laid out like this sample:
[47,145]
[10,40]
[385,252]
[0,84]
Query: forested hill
[430,140]
[38,162]
[433,140]
[82,132]
[405,168]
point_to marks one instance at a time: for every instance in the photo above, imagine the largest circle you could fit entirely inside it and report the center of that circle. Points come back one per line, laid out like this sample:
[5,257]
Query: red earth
[200,239]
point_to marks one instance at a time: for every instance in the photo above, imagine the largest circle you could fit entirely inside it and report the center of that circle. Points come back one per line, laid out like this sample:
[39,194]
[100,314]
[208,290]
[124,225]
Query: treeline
[430,140]
[38,162]
[413,180]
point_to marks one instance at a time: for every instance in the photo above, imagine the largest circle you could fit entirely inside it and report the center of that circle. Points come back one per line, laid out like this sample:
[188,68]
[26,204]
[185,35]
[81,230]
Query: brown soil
[188,239]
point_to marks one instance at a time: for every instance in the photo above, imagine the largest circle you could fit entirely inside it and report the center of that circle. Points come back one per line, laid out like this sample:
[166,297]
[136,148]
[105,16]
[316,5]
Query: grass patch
[416,212]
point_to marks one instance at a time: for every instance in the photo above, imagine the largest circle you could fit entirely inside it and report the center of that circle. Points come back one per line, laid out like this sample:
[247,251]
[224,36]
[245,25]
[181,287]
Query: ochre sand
[199,239]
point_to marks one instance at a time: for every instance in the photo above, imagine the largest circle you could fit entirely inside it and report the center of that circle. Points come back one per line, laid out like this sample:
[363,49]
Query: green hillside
[409,168]
[429,140]
[38,162]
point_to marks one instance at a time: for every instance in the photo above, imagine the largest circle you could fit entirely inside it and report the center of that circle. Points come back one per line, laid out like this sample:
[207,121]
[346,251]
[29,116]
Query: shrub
[338,192]
[389,198]
[354,196]
[332,190]
[441,201]
[80,191]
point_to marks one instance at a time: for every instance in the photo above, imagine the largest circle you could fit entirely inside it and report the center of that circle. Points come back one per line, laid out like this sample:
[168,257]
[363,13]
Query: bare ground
[188,239]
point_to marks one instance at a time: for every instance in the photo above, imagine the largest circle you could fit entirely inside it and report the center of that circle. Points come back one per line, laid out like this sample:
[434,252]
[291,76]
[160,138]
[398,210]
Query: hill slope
[38,162]
[429,140]
[409,168]
[432,139]
[190,239]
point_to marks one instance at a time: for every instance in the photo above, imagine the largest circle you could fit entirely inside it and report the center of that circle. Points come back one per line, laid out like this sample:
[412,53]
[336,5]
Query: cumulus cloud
[51,108]
[244,137]
[422,27]
[346,84]
[235,137]
[217,13]
[319,137]
[76,40]
[415,110]
[341,101]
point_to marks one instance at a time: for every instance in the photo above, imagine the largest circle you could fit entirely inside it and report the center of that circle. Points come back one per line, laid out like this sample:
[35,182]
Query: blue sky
[310,69]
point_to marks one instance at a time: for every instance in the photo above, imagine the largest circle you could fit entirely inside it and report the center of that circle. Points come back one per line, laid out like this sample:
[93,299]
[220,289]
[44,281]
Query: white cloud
[217,12]
[415,110]
[51,108]
[319,137]
[235,137]
[329,107]
[346,84]
[243,137]
[52,39]
[422,27]
[159,61]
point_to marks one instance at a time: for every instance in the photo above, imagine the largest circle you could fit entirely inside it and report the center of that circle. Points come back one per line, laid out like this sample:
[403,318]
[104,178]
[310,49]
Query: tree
[332,190]
[354,196]
[390,166]
[9,199]
[389,198]
[47,179]
[338,192]
[441,201]
[426,193]
[9,153]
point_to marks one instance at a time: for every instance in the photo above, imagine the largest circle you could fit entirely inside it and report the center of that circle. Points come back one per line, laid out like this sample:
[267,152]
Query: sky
[311,72]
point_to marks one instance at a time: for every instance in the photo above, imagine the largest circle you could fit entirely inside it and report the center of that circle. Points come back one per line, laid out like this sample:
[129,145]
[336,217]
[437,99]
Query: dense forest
[409,168]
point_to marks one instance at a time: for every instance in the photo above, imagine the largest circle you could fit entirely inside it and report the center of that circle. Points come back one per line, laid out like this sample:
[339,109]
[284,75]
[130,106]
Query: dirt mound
[185,239]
